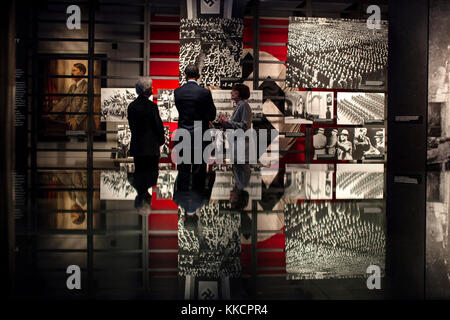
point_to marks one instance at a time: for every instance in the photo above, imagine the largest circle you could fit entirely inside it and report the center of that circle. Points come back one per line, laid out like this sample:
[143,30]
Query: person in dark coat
[194,103]
[147,135]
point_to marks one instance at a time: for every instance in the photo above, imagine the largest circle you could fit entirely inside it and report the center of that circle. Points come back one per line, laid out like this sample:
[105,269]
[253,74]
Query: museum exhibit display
[346,110]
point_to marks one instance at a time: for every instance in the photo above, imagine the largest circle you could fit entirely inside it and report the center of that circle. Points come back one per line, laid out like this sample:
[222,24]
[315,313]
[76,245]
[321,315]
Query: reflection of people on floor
[239,197]
[190,195]
[147,135]
[73,103]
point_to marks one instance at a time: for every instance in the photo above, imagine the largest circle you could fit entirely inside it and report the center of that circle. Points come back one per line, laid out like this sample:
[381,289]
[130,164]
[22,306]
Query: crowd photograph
[336,53]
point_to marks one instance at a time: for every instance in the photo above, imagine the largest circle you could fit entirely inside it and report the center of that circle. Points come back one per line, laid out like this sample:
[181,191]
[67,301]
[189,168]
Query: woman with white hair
[147,135]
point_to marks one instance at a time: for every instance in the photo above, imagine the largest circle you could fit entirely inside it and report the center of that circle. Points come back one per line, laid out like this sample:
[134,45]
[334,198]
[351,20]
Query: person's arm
[210,107]
[159,126]
[245,119]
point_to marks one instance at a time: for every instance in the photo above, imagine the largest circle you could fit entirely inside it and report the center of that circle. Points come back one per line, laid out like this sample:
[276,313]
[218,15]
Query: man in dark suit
[194,103]
[147,135]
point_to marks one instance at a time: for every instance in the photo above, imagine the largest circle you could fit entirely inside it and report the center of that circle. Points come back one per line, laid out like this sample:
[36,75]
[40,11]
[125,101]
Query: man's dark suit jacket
[194,103]
[147,129]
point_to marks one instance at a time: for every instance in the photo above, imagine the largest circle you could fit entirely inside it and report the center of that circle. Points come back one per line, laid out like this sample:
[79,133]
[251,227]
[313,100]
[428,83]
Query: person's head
[240,91]
[191,72]
[362,132]
[144,86]
[343,136]
[238,199]
[78,69]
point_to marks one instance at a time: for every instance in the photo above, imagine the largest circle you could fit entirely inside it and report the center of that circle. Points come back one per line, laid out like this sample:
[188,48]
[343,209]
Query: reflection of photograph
[336,53]
[349,143]
[213,248]
[123,141]
[308,106]
[215,45]
[166,105]
[224,182]
[166,183]
[115,103]
[114,185]
[359,181]
[437,234]
[69,96]
[359,107]
[438,84]
[313,181]
[66,200]
[326,240]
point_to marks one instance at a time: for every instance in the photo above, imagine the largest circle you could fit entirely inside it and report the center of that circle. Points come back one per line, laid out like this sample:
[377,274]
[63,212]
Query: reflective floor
[233,232]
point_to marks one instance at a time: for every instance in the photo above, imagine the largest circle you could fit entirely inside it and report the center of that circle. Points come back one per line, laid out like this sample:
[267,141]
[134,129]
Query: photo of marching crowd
[334,239]
[360,108]
[359,181]
[215,45]
[336,53]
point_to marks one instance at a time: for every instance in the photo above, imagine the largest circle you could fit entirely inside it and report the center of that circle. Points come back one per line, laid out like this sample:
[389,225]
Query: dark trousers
[196,172]
[145,173]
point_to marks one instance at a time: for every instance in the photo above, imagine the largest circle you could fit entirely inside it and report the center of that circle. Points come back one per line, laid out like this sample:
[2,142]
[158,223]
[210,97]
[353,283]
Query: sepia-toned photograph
[360,107]
[308,181]
[349,143]
[360,181]
[336,53]
[64,106]
[309,106]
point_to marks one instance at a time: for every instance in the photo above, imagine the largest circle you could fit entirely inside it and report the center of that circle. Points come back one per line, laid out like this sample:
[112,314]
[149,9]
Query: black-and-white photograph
[114,185]
[124,139]
[115,103]
[309,106]
[225,106]
[308,181]
[349,143]
[360,107]
[438,153]
[127,167]
[166,105]
[359,181]
[215,45]
[222,101]
[331,240]
[225,181]
[165,184]
[437,235]
[213,248]
[336,53]
[438,84]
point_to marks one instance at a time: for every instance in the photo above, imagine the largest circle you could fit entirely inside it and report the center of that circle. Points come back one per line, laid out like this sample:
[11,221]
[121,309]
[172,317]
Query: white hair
[143,85]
